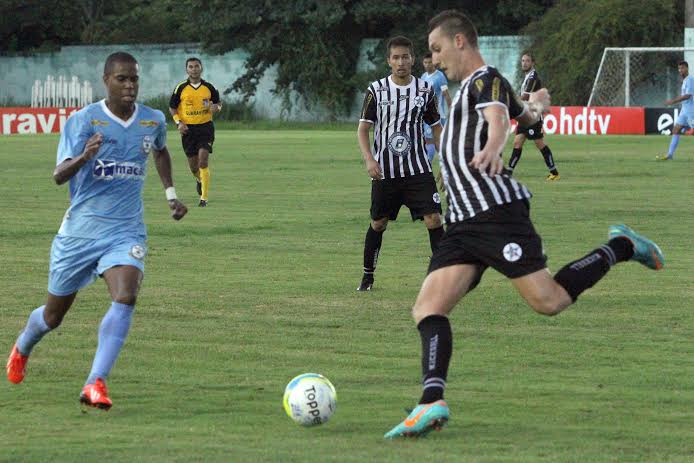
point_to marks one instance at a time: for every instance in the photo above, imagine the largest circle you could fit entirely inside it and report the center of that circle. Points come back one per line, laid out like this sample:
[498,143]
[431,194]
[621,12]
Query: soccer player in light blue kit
[686,116]
[103,152]
[438,81]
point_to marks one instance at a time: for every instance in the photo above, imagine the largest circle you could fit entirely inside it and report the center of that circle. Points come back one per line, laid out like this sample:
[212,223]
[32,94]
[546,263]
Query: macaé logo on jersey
[105,169]
[399,144]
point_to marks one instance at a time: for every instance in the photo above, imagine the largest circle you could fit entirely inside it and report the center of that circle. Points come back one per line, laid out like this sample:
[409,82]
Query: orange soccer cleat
[16,366]
[96,395]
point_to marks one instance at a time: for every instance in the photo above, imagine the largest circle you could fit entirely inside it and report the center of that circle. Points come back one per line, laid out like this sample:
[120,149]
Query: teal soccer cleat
[421,421]
[645,251]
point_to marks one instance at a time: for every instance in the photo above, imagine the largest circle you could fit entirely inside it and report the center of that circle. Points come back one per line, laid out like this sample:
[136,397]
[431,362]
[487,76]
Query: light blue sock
[36,328]
[112,333]
[673,145]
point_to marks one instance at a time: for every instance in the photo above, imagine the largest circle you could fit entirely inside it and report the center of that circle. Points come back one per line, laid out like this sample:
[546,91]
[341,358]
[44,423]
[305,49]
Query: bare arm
[436,131]
[180,125]
[363,136]
[538,104]
[68,168]
[447,97]
[162,160]
[678,99]
[489,158]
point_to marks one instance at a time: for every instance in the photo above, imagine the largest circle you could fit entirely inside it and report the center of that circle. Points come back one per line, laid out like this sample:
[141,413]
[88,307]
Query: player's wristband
[177,120]
[171,194]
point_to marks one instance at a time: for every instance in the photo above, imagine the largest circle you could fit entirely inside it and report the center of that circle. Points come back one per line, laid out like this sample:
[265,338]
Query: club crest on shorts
[512,252]
[138,252]
[419,101]
[399,144]
[436,198]
[531,132]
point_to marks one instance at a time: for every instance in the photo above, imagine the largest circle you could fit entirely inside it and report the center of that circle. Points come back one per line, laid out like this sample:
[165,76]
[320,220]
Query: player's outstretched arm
[162,159]
[68,168]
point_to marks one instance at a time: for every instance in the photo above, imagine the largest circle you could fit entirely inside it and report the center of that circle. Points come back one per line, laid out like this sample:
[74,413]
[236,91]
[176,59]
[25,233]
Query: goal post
[638,76]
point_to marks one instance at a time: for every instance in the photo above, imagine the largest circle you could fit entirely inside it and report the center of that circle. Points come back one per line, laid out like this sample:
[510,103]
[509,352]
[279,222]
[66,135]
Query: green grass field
[260,286]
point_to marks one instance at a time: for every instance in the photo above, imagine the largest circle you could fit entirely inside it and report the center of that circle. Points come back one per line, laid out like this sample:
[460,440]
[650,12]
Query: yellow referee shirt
[193,103]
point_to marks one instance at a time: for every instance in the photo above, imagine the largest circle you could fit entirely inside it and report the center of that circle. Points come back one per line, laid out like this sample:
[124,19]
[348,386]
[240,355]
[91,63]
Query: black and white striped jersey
[531,82]
[468,190]
[397,113]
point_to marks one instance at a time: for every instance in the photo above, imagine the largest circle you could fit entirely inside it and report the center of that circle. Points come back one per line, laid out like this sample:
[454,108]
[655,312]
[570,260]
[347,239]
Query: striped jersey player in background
[488,221]
[396,107]
[532,83]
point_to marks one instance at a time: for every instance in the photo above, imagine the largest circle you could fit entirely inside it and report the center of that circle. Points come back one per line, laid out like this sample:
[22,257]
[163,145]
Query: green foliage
[36,25]
[315,44]
[568,41]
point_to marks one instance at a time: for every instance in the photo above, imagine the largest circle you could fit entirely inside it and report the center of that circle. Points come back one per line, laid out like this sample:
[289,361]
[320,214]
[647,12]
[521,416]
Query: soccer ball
[310,399]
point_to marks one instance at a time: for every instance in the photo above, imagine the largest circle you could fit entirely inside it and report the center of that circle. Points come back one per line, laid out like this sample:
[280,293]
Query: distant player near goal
[685,119]
[531,83]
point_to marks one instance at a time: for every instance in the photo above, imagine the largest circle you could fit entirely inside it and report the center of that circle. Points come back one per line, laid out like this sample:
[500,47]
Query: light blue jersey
[688,89]
[439,82]
[104,227]
[106,193]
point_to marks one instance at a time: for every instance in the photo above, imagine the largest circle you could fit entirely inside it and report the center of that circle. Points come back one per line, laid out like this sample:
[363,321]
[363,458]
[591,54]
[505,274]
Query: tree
[569,39]
[37,25]
[315,43]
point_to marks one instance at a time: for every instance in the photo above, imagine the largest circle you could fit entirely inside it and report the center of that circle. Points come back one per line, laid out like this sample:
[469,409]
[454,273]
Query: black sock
[582,274]
[437,345]
[372,246]
[549,160]
[515,157]
[435,236]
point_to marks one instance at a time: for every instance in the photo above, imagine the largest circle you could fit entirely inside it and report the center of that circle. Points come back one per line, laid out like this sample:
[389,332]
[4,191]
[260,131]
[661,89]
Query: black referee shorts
[533,132]
[198,136]
[417,192]
[502,238]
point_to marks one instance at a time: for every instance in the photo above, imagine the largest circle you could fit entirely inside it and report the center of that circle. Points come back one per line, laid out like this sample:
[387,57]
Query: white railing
[61,93]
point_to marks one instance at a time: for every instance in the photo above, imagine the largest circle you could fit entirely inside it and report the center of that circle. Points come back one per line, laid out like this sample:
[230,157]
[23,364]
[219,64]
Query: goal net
[638,76]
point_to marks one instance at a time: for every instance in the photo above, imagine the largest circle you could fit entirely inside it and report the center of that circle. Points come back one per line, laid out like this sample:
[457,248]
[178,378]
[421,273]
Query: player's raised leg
[550,295]
[123,284]
[440,292]
[41,321]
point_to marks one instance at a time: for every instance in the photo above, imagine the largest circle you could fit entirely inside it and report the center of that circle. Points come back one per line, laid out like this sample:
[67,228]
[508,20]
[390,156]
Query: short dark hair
[683,63]
[527,53]
[117,57]
[193,58]
[454,22]
[427,55]
[399,41]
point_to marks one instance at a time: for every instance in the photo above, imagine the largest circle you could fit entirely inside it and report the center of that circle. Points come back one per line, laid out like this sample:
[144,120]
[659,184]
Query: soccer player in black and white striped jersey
[396,107]
[532,83]
[488,217]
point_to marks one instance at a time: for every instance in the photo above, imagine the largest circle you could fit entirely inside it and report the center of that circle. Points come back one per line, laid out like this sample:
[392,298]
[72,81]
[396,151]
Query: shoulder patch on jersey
[479,83]
[99,123]
[148,123]
[496,88]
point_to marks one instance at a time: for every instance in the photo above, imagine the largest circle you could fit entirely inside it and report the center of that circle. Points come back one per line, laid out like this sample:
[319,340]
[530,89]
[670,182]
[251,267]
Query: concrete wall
[162,67]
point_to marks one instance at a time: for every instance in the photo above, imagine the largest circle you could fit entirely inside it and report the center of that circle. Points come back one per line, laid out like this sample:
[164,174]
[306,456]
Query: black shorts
[502,238]
[417,192]
[534,132]
[198,136]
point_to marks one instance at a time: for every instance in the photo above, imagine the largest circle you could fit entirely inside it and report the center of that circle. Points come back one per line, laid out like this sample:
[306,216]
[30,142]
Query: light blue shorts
[76,262]
[685,120]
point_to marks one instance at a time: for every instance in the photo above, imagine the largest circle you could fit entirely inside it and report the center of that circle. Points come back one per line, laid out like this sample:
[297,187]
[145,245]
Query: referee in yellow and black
[192,103]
